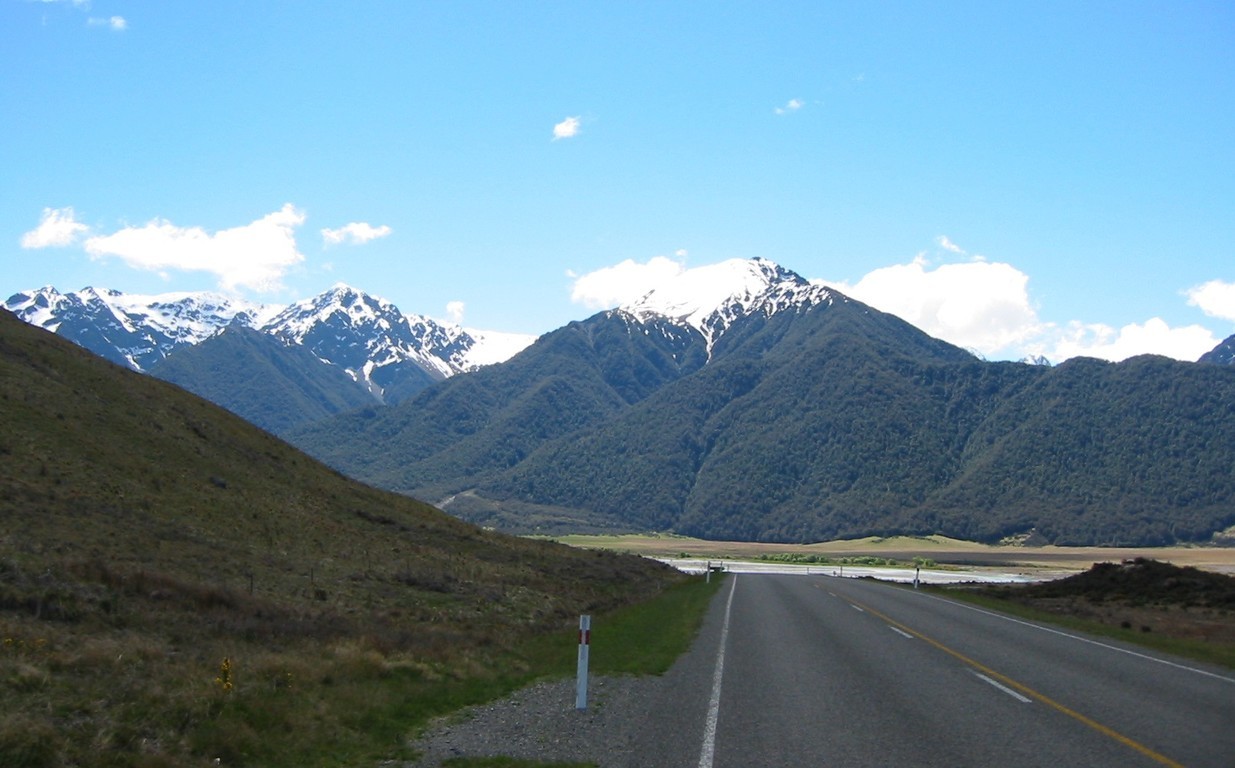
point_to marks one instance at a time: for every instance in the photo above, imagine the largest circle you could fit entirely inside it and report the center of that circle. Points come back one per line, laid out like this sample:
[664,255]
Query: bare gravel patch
[541,723]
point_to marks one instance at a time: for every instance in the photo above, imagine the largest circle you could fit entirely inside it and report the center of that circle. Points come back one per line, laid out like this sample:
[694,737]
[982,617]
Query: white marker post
[585,641]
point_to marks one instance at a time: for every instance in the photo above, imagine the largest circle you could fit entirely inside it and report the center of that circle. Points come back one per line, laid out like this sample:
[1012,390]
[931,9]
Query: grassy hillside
[178,586]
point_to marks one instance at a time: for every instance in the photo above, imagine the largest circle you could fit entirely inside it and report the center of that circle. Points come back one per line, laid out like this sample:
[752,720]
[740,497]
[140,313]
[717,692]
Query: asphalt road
[823,671]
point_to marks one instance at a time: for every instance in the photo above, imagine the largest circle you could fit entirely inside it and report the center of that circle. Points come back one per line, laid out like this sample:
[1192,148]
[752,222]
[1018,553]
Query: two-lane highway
[822,671]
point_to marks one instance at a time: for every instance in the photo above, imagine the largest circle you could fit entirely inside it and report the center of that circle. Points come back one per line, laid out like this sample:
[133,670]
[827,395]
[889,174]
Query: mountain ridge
[379,351]
[134,330]
[823,419]
[710,299]
[758,406]
[388,353]
[1223,354]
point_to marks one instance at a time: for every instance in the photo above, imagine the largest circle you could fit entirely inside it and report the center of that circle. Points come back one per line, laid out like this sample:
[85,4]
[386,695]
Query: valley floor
[941,550]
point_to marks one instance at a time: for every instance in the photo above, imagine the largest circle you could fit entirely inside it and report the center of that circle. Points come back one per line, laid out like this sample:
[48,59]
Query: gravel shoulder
[541,723]
[631,721]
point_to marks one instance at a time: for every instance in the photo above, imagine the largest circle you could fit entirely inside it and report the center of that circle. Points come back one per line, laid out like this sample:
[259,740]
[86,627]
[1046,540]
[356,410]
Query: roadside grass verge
[1217,653]
[179,588]
[185,688]
[642,639]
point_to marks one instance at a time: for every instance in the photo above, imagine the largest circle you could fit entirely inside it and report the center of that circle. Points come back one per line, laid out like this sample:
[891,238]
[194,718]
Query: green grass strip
[636,640]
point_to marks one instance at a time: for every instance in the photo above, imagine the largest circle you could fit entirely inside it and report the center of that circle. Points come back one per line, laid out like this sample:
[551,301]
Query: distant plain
[940,549]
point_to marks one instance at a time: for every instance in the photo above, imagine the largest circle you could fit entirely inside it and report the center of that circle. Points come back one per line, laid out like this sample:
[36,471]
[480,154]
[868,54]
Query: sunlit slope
[98,464]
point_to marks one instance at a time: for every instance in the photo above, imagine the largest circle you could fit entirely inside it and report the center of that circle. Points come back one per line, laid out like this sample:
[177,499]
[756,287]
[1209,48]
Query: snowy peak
[364,335]
[381,347]
[189,316]
[710,299]
[42,307]
[131,329]
[340,307]
[390,353]
[185,317]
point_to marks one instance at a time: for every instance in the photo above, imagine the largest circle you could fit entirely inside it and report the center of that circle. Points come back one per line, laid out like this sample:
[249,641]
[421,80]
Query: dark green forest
[833,421]
[270,384]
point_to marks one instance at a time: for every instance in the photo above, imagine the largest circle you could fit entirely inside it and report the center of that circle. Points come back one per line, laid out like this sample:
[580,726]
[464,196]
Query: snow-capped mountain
[710,299]
[133,330]
[387,352]
[375,342]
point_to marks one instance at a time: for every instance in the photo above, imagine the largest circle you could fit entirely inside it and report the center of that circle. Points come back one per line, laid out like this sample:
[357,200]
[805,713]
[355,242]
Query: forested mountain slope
[821,420]
[274,385]
[489,420]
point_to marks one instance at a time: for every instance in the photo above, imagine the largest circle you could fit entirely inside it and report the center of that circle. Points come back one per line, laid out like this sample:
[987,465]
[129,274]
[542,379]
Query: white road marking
[1145,656]
[901,632]
[708,752]
[859,610]
[1004,688]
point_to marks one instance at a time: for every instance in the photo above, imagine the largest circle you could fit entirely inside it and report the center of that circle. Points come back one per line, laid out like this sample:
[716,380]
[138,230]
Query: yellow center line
[1099,727]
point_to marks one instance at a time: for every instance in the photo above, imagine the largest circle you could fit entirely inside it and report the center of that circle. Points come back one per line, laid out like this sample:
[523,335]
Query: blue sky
[1021,177]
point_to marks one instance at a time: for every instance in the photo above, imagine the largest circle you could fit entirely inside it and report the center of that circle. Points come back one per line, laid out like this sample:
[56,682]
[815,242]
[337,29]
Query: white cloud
[58,227]
[115,23]
[1154,337]
[948,245]
[985,306]
[622,283]
[793,105]
[567,129]
[1215,298]
[357,233]
[977,305]
[454,310]
[255,255]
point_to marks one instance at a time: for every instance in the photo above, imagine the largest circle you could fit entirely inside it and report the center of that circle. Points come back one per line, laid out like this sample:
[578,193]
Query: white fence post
[585,641]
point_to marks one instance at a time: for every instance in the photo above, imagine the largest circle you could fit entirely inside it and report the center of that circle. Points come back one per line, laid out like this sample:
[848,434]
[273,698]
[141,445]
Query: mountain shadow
[279,387]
